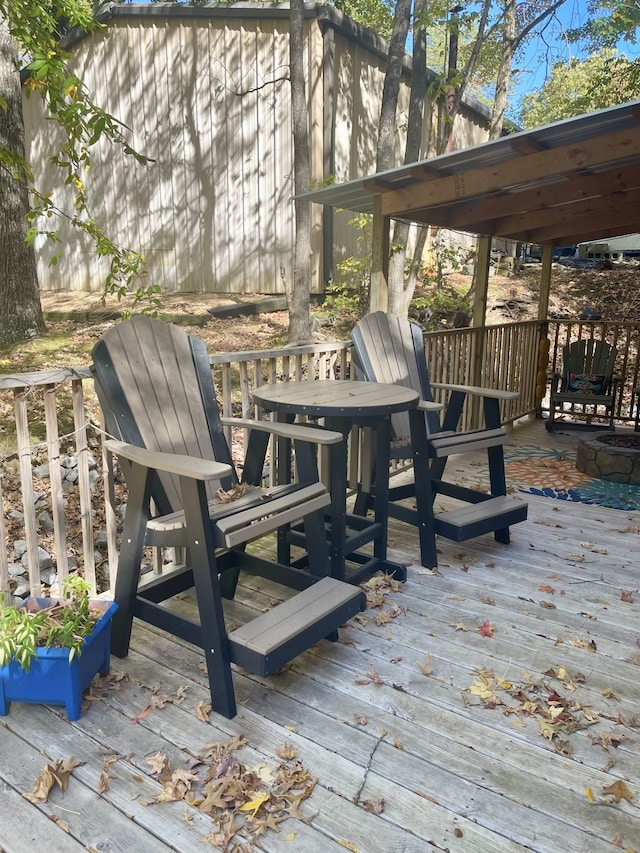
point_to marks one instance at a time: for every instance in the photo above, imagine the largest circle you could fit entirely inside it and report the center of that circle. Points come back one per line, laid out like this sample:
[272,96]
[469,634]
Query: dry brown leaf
[373,806]
[203,709]
[56,773]
[157,762]
[103,782]
[619,791]
[425,665]
[626,595]
[360,719]
[286,752]
[375,676]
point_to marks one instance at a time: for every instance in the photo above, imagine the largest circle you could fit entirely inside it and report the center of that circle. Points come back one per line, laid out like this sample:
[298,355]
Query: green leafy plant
[65,624]
[445,308]
[351,293]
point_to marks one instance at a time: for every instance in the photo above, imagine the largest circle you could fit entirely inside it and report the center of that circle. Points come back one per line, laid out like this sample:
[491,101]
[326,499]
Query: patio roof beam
[612,207]
[615,212]
[609,149]
[574,187]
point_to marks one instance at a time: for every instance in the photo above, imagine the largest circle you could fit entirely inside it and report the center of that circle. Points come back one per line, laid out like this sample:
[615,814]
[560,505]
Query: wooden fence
[56,463]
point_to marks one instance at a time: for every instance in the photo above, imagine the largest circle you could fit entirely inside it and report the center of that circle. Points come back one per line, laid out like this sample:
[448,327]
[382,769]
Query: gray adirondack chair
[156,390]
[587,380]
[390,349]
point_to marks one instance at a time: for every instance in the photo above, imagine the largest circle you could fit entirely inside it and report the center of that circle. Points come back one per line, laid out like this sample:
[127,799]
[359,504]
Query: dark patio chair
[587,380]
[390,349]
[156,390]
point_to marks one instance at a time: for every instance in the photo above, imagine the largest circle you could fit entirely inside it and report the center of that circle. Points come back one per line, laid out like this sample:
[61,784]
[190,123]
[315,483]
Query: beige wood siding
[208,101]
[205,95]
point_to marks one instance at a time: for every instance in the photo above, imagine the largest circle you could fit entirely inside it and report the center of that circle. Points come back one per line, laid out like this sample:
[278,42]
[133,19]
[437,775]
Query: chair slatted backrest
[390,349]
[590,357]
[156,390]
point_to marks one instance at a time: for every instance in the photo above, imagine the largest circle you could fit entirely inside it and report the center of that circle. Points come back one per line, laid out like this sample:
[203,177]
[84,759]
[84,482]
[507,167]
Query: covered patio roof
[571,181]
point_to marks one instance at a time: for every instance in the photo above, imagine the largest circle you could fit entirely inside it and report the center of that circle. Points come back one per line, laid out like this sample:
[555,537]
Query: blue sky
[551,46]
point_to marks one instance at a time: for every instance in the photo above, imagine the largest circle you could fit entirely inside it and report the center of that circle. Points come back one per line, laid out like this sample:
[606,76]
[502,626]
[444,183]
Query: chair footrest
[480,518]
[273,639]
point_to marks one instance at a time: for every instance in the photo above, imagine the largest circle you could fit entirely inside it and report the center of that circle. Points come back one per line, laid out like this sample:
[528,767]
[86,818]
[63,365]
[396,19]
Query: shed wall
[207,100]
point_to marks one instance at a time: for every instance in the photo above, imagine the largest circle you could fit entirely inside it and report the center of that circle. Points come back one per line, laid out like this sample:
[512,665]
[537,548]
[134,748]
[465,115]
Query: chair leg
[497,479]
[208,595]
[133,537]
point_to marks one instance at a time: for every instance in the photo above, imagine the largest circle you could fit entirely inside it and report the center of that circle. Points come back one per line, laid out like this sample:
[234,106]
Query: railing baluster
[55,479]
[84,488]
[26,482]
[4,559]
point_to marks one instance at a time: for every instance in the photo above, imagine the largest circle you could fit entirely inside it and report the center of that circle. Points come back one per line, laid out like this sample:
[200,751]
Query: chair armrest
[172,463]
[299,432]
[477,391]
[425,406]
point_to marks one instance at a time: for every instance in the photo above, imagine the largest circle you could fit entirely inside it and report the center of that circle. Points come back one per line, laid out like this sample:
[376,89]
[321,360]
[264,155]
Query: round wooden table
[342,404]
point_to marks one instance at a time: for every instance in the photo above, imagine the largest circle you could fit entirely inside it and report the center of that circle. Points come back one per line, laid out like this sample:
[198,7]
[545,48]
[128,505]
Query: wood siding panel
[207,99]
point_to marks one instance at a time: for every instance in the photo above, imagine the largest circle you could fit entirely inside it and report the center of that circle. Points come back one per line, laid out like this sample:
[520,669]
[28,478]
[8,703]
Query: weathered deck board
[453,774]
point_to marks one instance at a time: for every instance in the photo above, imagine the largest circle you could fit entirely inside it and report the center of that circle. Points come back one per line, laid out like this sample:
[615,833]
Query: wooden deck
[474,743]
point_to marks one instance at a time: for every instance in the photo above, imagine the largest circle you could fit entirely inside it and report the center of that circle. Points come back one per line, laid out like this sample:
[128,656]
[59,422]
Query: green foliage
[37,27]
[607,22]
[351,293]
[446,308]
[375,14]
[64,626]
[580,86]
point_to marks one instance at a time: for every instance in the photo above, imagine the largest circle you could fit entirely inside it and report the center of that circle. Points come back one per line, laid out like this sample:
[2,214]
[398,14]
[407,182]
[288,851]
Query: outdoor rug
[553,473]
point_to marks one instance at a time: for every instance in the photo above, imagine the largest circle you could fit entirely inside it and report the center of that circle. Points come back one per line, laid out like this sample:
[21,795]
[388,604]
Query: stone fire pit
[611,456]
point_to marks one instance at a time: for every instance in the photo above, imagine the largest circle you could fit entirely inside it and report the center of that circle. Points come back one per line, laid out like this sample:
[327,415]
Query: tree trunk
[299,289]
[504,69]
[20,310]
[401,288]
[391,89]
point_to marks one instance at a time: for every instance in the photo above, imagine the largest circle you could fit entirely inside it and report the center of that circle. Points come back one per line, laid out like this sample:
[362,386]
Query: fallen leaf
[486,629]
[360,719]
[609,694]
[158,762]
[286,752]
[425,665]
[203,709]
[254,804]
[626,596]
[589,794]
[349,845]
[619,791]
[373,806]
[57,773]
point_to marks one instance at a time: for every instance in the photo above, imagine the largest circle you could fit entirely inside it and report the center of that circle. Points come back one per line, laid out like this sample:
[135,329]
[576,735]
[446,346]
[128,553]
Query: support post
[478,321]
[545,282]
[379,295]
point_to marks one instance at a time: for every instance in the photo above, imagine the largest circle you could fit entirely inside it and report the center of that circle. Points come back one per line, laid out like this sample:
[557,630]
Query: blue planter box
[51,679]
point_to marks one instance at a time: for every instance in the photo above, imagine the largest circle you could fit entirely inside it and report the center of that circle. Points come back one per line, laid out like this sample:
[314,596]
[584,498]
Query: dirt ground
[76,320]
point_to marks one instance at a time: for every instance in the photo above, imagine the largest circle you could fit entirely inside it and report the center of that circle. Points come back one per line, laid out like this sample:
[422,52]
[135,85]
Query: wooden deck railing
[57,421]
[504,356]
[624,336]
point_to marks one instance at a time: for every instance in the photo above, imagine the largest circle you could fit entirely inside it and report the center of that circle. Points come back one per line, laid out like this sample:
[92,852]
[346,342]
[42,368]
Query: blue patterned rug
[553,474]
